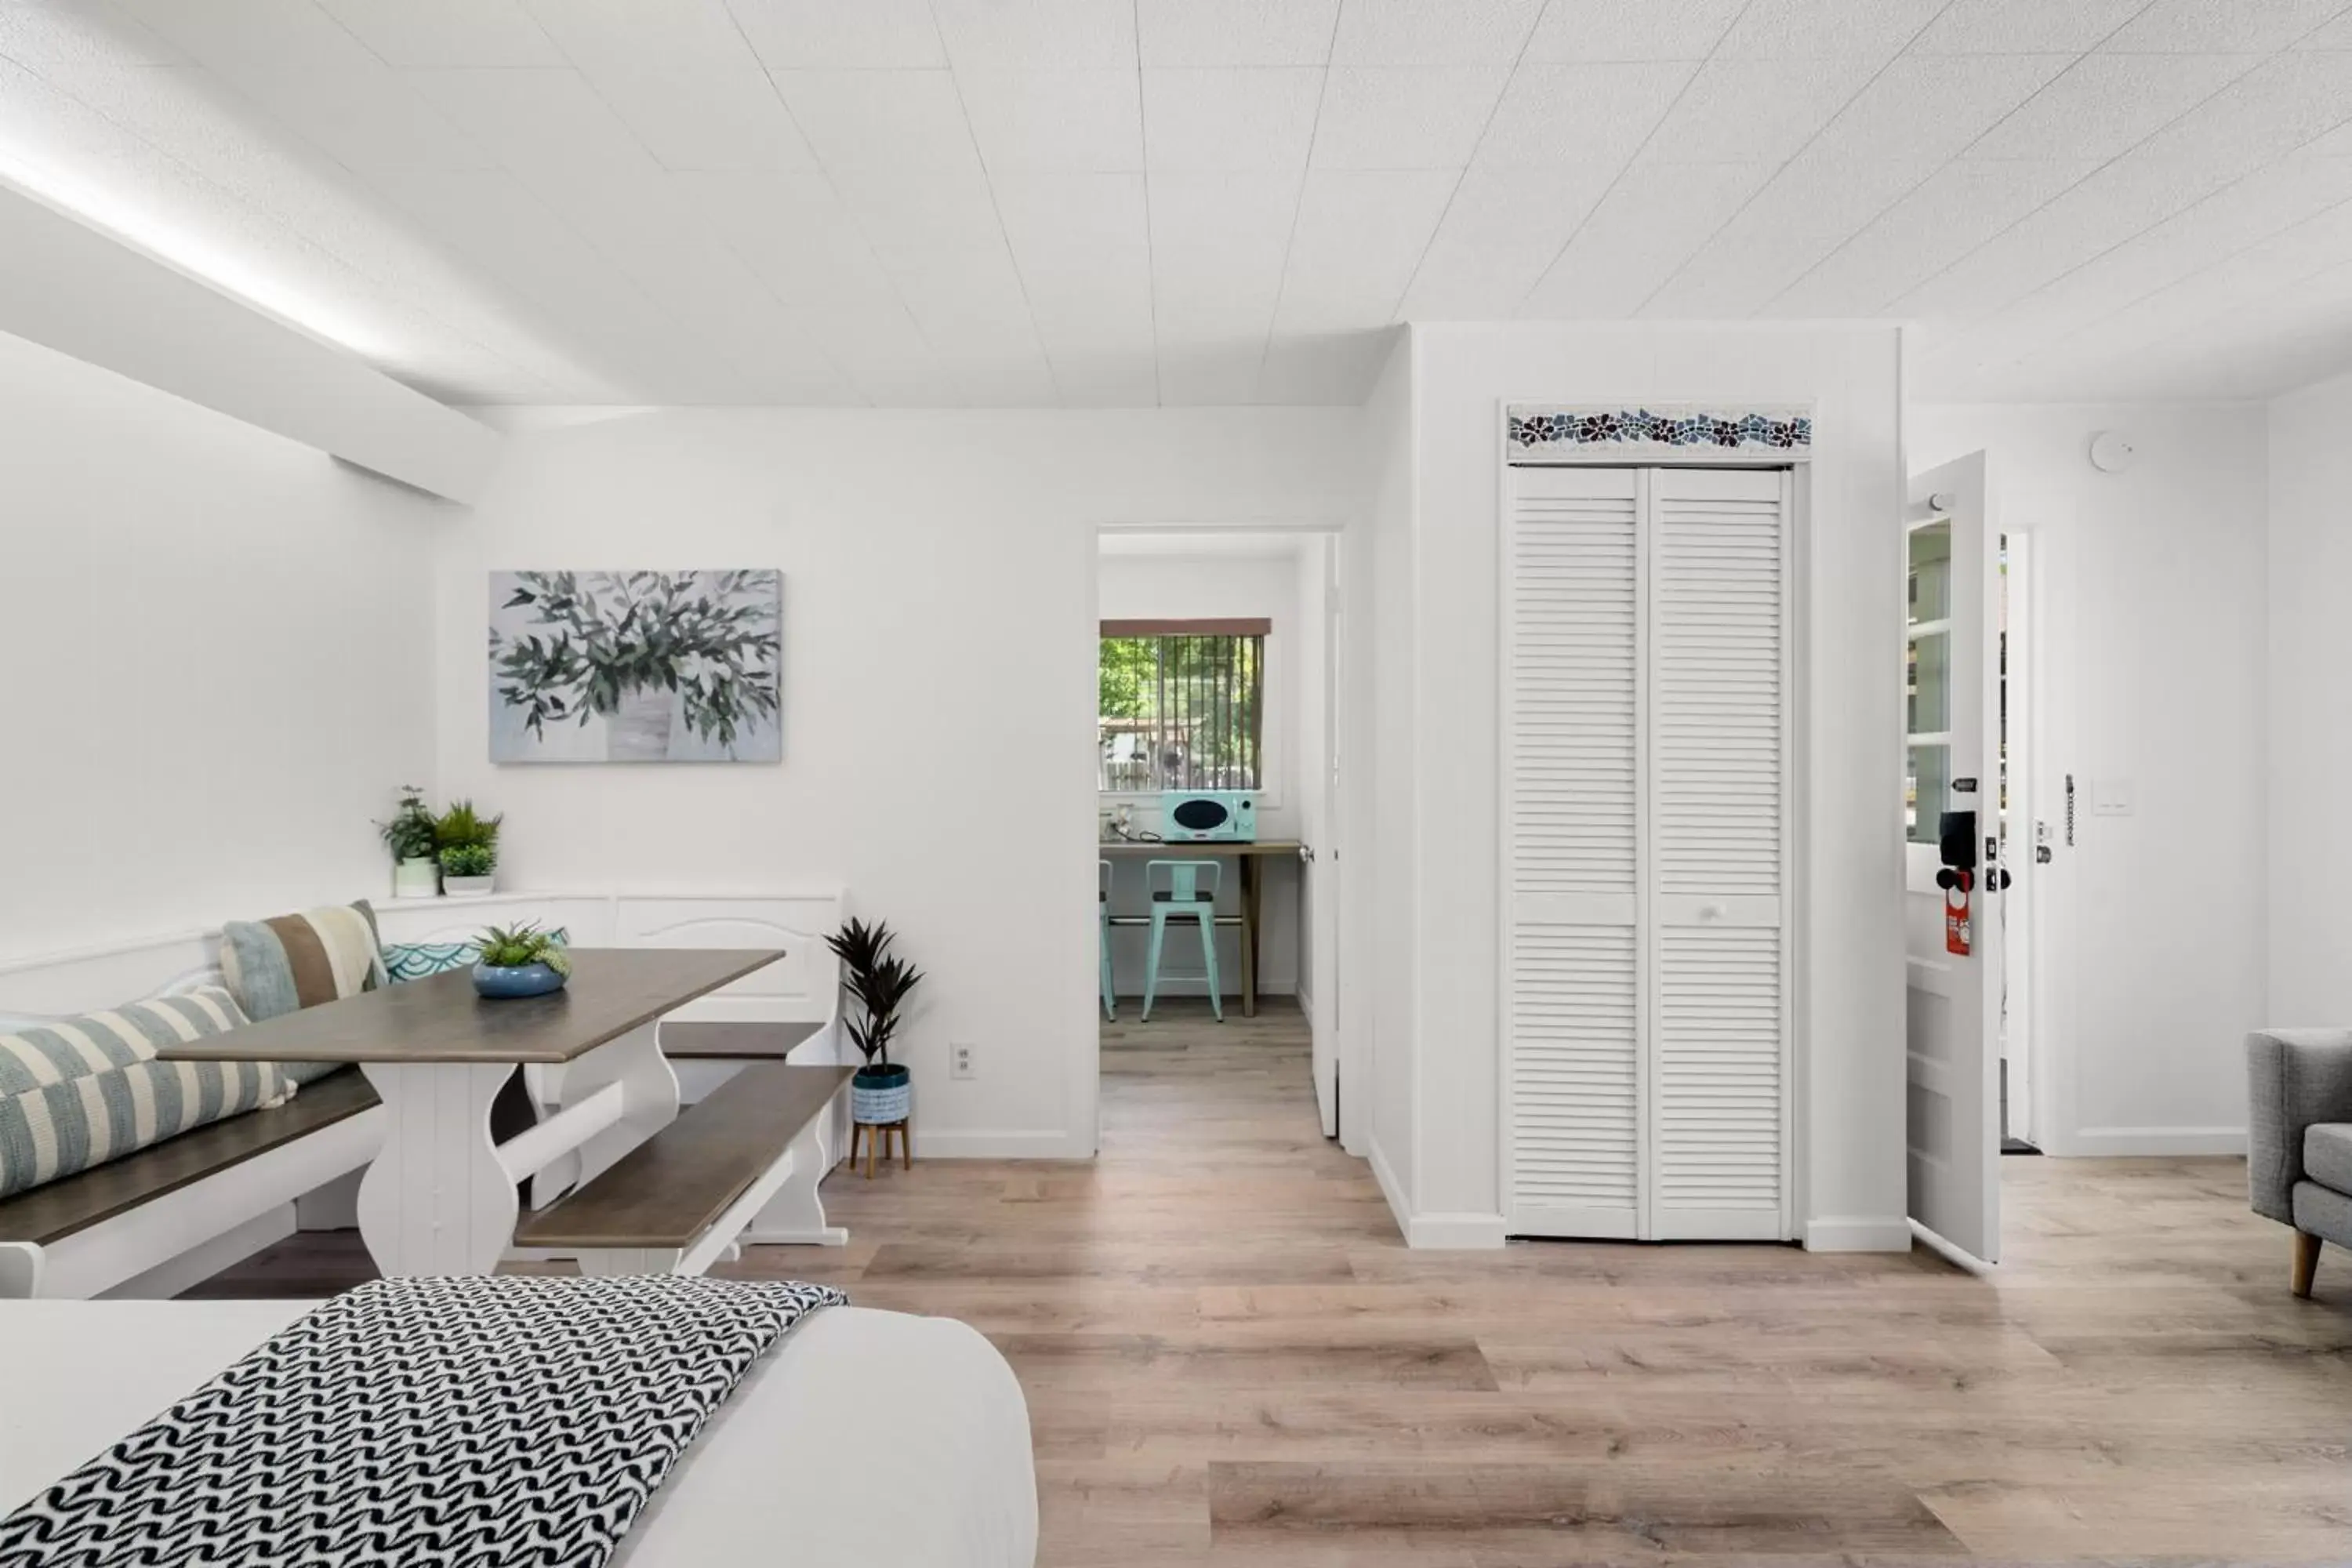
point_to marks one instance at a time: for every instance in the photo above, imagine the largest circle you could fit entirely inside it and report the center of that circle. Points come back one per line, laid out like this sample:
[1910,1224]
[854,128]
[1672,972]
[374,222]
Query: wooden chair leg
[2307,1261]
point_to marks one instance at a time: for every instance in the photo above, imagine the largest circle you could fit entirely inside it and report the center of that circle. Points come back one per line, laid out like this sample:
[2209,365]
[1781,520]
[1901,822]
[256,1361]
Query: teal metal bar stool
[1191,894]
[1102,899]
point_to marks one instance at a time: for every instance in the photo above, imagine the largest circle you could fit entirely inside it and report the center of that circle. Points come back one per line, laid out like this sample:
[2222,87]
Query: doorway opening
[1218,736]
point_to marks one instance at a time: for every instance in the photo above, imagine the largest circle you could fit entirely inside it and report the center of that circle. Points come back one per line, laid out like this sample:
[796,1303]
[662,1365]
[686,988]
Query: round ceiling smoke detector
[2112,451]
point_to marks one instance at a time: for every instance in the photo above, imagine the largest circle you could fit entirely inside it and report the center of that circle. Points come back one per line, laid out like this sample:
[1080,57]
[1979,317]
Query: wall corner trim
[1858,1233]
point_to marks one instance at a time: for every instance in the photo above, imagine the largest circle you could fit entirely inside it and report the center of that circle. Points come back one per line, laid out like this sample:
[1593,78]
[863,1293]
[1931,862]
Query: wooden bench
[678,1202]
[102,1227]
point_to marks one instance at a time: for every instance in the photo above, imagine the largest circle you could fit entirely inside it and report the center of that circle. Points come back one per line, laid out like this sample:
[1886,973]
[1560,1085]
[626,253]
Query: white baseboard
[1434,1232]
[1039,1145]
[2091,1142]
[200,1263]
[1858,1233]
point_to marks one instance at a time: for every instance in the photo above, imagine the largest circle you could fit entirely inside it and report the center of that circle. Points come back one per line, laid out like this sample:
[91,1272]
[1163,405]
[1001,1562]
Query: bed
[863,1436]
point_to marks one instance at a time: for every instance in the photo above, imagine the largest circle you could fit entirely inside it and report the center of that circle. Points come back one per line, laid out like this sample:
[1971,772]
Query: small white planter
[470,887]
[418,878]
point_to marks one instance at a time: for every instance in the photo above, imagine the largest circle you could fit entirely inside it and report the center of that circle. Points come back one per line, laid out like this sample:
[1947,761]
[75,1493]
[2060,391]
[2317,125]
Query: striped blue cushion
[422,960]
[76,1092]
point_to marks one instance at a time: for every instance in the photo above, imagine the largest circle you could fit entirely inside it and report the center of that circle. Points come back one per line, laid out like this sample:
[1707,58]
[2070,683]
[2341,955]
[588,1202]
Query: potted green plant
[468,846]
[877,982]
[520,961]
[409,835]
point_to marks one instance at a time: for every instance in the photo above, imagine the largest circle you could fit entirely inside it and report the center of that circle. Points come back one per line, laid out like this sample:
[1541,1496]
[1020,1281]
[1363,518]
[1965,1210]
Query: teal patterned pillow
[418,960]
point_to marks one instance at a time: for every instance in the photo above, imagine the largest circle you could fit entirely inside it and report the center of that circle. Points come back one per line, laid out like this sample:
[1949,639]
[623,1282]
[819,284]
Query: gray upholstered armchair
[2299,1137]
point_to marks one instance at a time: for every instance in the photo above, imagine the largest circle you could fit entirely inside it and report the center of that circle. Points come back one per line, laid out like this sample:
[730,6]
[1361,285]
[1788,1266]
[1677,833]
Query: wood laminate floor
[1231,1358]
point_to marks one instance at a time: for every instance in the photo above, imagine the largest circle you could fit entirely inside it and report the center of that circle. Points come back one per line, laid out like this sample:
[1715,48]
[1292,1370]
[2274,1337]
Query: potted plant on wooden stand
[410,837]
[468,844]
[877,982]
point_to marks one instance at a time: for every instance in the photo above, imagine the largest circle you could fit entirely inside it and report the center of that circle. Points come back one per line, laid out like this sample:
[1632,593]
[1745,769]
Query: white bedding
[863,1436]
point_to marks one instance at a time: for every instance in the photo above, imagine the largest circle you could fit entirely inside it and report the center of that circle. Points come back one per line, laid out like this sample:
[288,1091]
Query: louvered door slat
[1718,1077]
[1572,604]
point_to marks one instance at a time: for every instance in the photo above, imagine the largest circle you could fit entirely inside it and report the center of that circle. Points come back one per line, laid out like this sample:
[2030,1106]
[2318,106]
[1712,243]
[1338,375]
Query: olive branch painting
[636,667]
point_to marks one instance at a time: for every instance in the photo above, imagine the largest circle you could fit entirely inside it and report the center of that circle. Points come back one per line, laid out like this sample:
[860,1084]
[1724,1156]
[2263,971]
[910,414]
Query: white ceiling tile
[880,120]
[1631,29]
[1254,118]
[1322,368]
[1211,369]
[79,31]
[1957,208]
[2008,26]
[1416,33]
[1106,380]
[827,35]
[1358,237]
[1810,207]
[1644,231]
[1405,117]
[795,234]
[1038,35]
[297,63]
[1971,94]
[1217,247]
[1049,214]
[882,352]
[2335,34]
[1866,29]
[2108,103]
[446,35]
[902,210]
[1555,115]
[1184,33]
[1754,111]
[681,76]
[999,378]
[535,122]
[966,300]
[1089,119]
[2221,26]
[1502,230]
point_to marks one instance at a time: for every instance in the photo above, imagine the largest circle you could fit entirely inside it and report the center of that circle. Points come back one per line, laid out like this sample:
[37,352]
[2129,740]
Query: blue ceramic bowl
[521,980]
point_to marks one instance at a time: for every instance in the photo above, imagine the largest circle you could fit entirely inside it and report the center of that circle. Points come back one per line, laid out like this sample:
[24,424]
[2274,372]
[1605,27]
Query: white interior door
[1720,792]
[1323,871]
[1953,999]
[1575,1155]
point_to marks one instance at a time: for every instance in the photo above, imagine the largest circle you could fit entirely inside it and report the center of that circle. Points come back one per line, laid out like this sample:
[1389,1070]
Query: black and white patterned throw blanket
[483,1422]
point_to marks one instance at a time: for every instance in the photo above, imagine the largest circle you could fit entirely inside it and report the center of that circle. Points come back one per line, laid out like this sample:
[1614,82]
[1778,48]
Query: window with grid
[1182,705]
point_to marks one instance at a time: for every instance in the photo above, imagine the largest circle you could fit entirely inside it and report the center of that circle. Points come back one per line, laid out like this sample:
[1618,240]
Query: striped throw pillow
[76,1092]
[281,965]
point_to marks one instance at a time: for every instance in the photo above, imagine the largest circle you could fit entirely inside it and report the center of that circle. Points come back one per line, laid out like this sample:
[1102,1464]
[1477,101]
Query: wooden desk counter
[1245,854]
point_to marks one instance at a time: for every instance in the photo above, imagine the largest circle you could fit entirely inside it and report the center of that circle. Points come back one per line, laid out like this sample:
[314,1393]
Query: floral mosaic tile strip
[1588,432]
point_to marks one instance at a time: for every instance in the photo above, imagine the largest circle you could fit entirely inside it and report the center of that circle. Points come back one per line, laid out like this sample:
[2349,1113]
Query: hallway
[1230,1357]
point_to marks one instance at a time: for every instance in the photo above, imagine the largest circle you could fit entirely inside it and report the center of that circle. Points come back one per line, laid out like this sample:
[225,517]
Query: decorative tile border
[1675,432]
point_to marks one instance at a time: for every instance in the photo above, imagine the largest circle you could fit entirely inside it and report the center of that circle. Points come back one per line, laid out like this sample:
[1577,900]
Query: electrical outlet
[960,1061]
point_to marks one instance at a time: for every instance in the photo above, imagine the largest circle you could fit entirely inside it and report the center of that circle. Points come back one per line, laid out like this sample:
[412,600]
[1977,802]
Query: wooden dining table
[1246,855]
[440,1197]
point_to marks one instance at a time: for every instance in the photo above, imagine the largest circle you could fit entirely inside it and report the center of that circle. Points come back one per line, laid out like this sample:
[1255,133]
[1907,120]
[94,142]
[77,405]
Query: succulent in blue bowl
[520,961]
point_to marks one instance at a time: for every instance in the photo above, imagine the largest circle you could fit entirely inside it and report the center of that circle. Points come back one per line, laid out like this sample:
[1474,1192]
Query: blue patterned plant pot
[516,980]
[880,1098]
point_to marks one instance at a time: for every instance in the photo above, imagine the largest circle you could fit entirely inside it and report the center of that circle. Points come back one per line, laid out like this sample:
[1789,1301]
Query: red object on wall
[1957,929]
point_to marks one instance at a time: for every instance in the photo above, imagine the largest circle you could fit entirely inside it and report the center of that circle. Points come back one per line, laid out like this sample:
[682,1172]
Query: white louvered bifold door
[1647,792]
[1719,761]
[1572,789]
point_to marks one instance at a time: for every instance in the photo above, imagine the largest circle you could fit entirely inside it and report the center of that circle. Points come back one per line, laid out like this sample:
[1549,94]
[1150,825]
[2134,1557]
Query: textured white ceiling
[1097,201]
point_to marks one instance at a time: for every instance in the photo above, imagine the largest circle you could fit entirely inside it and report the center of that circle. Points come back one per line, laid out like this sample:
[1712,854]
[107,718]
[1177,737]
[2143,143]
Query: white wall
[215,644]
[940,607]
[1230,584]
[1309,615]
[2309,754]
[1381,876]
[1851,1098]
[2150,634]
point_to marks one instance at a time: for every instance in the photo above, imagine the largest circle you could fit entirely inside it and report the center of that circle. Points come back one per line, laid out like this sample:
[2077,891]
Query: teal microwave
[1192,814]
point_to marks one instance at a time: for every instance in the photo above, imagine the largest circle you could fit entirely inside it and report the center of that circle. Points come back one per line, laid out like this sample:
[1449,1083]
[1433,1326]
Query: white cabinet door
[1719,778]
[1572,804]
[1953,999]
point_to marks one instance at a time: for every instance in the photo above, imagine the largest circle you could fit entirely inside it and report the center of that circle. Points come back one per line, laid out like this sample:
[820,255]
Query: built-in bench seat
[677,1203]
[94,1230]
[737,1040]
